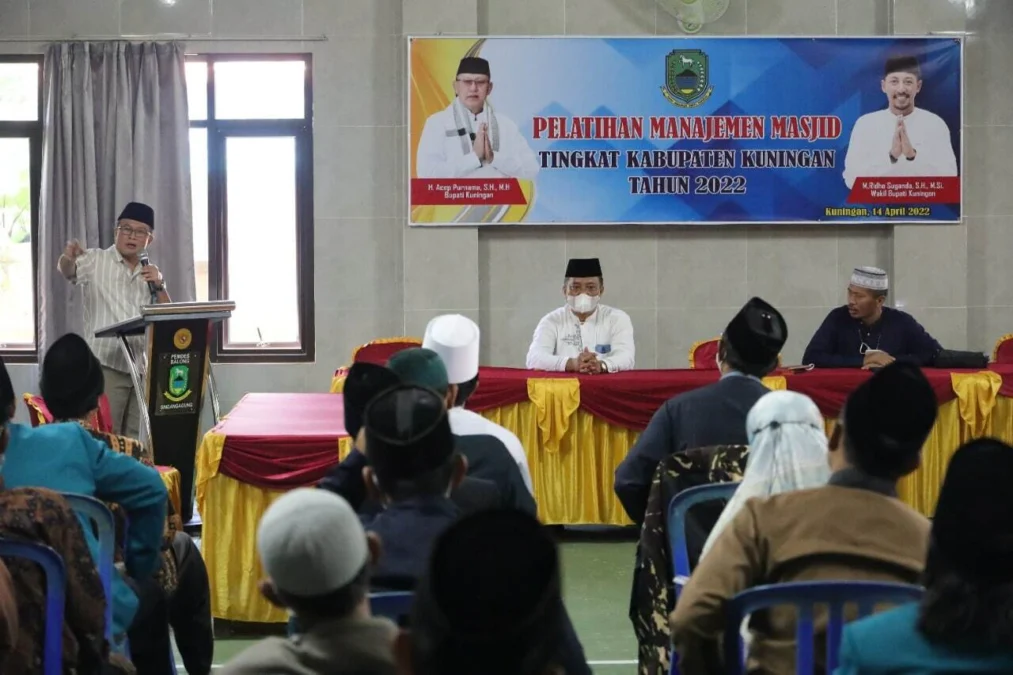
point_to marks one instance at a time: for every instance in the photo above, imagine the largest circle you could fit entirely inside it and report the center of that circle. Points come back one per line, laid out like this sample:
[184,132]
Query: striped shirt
[112,293]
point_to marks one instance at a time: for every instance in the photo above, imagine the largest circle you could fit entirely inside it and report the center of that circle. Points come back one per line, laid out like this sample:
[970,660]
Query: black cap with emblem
[407,433]
[757,333]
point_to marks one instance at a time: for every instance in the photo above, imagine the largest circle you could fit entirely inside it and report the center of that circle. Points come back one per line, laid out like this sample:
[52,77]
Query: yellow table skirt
[230,511]
[572,477]
[172,480]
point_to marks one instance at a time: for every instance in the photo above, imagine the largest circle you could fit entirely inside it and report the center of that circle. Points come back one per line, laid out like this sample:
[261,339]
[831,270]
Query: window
[251,164]
[20,170]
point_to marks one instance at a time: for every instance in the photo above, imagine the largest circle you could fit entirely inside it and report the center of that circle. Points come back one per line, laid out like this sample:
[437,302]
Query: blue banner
[684,130]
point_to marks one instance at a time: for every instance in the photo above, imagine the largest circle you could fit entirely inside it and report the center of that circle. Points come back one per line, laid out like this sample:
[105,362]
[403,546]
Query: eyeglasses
[132,233]
[478,84]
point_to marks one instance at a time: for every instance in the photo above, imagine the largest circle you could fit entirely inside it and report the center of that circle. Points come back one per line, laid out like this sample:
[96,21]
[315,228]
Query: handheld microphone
[151,284]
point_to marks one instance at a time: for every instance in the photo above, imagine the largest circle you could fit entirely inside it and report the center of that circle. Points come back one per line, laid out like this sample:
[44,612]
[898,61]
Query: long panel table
[575,429]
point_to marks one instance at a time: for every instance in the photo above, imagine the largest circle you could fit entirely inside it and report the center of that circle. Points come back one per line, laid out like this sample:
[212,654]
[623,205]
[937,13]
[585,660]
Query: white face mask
[582,303]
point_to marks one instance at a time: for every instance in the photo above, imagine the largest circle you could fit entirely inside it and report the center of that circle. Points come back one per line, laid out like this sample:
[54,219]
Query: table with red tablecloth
[575,430]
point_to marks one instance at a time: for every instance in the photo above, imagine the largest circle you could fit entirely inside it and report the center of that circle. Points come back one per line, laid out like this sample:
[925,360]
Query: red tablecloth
[630,399]
[281,441]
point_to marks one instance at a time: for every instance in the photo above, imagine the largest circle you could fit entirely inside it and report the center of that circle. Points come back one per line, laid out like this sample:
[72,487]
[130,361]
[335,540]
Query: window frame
[33,131]
[218,132]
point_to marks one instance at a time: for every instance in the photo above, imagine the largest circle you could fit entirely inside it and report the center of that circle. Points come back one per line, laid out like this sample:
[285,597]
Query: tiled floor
[596,577]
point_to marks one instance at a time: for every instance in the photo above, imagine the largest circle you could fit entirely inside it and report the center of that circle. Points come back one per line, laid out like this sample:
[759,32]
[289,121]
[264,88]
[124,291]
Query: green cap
[420,367]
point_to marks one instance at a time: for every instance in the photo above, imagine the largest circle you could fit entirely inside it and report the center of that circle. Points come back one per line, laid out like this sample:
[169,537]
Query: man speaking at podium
[117,281]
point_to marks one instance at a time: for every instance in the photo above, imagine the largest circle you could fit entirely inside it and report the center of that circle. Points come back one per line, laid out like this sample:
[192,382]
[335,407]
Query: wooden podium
[170,381]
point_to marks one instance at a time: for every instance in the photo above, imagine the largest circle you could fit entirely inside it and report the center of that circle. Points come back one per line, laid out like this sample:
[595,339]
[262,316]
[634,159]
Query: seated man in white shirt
[901,140]
[456,339]
[583,336]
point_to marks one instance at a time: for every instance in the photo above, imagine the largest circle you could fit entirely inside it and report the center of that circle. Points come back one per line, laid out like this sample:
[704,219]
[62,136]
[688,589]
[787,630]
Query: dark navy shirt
[838,342]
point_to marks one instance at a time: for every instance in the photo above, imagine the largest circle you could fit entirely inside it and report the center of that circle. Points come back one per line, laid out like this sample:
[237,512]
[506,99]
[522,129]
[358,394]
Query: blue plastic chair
[100,515]
[805,596]
[677,510]
[56,585]
[392,605]
[677,546]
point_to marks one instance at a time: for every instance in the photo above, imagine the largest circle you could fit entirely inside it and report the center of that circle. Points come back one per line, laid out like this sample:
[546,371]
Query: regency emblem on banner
[182,339]
[687,78]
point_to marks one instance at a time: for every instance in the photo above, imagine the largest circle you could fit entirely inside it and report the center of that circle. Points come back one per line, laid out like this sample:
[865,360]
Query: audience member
[491,603]
[363,382]
[412,469]
[72,382]
[318,561]
[486,456]
[66,458]
[787,452]
[44,517]
[964,623]
[854,528]
[455,339]
[714,415]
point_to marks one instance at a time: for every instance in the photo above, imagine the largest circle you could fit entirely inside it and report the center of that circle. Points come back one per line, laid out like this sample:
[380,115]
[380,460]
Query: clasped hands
[901,143]
[876,359]
[586,363]
[482,146]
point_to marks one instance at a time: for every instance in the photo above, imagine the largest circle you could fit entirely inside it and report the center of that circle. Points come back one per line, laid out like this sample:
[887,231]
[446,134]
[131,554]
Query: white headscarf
[787,451]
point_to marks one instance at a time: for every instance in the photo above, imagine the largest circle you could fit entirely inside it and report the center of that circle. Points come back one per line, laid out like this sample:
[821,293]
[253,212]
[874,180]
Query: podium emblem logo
[179,383]
[182,338]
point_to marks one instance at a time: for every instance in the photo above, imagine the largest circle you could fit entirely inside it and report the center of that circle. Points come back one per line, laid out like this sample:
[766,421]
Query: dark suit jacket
[712,415]
[490,460]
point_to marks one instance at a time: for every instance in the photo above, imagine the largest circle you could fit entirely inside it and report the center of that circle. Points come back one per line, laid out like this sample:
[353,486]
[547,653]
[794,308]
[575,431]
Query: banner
[674,130]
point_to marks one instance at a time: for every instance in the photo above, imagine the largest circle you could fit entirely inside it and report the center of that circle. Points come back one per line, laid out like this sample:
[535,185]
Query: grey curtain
[116,130]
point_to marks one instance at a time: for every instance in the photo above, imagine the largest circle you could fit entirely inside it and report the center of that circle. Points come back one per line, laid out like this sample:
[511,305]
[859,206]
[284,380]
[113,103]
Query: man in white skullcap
[866,334]
[318,558]
[455,339]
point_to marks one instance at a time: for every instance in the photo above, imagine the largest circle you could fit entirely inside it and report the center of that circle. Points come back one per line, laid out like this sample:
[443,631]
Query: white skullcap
[871,278]
[456,339]
[311,542]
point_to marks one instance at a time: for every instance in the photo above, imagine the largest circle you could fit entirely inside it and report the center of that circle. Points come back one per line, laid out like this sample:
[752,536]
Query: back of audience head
[884,423]
[490,602]
[316,555]
[362,384]
[753,339]
[424,368]
[455,339]
[787,452]
[410,445]
[72,379]
[969,571]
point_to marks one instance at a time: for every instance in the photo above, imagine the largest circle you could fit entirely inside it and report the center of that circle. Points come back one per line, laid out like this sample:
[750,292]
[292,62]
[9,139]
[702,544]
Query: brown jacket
[823,534]
[338,647]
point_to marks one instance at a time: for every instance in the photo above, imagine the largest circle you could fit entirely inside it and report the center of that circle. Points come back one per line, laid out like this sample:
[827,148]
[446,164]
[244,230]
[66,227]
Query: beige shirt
[829,533]
[339,647]
[112,293]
